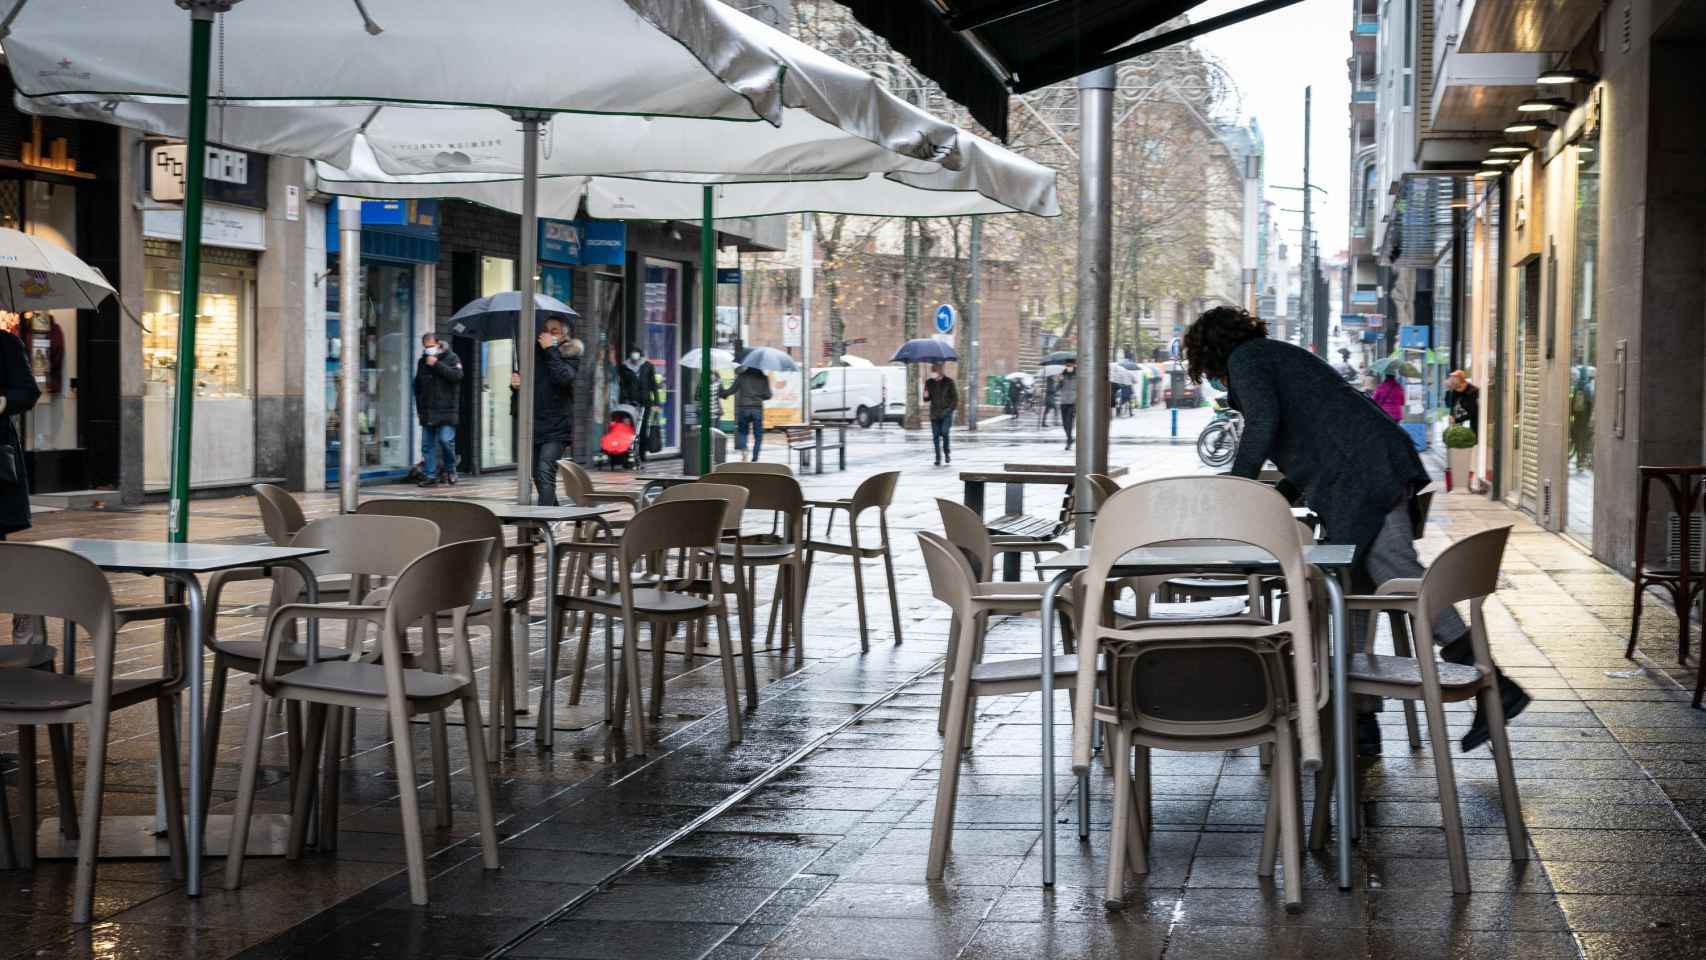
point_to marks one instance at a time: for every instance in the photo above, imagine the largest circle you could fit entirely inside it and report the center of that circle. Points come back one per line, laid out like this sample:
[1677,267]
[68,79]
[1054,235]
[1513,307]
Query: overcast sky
[1272,58]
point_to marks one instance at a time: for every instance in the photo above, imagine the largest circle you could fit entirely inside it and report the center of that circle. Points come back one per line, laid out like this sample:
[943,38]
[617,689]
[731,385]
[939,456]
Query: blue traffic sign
[946,317]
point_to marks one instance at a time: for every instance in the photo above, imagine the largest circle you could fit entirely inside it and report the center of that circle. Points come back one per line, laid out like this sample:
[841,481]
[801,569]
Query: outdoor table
[657,483]
[816,452]
[181,564]
[1056,475]
[1229,559]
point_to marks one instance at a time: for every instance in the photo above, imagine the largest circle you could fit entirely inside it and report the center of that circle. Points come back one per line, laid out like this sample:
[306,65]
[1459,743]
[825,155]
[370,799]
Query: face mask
[432,351]
[1217,384]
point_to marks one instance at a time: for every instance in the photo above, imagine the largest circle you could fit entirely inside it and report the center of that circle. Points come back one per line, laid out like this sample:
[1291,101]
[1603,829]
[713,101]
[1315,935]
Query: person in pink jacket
[1389,396]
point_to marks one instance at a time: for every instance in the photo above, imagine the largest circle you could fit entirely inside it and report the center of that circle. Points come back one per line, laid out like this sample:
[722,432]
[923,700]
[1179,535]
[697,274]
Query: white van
[859,394]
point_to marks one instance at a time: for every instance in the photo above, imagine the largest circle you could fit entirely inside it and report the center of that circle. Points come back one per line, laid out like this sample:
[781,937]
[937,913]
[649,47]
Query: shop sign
[603,242]
[416,220]
[559,240]
[1414,335]
[228,175]
[238,228]
[556,281]
[728,275]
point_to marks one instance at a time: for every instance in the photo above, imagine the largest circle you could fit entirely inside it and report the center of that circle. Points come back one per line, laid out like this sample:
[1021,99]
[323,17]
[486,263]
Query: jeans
[546,453]
[753,420]
[1392,555]
[27,628]
[434,438]
[645,424]
[1069,419]
[939,435]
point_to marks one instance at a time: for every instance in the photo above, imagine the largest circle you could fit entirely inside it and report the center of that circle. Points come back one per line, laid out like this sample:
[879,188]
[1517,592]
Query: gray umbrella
[495,317]
[766,358]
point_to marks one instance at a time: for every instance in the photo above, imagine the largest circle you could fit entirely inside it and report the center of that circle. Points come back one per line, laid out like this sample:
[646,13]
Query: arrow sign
[946,317]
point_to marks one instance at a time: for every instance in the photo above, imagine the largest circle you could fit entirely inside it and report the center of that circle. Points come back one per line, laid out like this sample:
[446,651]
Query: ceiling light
[1527,125]
[1563,77]
[1497,162]
[1510,148]
[1544,105]
[1584,148]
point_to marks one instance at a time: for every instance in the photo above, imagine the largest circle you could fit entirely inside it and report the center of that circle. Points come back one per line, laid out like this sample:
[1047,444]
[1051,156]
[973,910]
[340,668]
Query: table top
[153,556]
[510,512]
[1004,476]
[667,478]
[1203,557]
[1057,468]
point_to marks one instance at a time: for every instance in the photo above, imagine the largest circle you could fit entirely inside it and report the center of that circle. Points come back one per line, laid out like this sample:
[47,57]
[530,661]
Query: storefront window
[384,343]
[49,214]
[223,331]
[497,360]
[1584,340]
[660,339]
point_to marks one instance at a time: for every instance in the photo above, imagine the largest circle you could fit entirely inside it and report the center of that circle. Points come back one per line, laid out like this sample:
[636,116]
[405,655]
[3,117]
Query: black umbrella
[926,350]
[495,317]
[1059,357]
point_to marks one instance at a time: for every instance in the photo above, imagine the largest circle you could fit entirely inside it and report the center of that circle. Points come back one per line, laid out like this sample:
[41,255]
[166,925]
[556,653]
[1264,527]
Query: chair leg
[948,783]
[1114,897]
[339,720]
[8,849]
[1635,615]
[213,727]
[27,792]
[482,776]
[578,680]
[173,793]
[631,672]
[89,831]
[1450,815]
[859,602]
[1401,647]
[239,844]
[303,773]
[948,674]
[660,635]
[1493,708]
[1284,793]
[1145,810]
[726,653]
[499,674]
[1321,823]
[1270,830]
[59,748]
[439,732]
[797,585]
[409,793]
[894,596]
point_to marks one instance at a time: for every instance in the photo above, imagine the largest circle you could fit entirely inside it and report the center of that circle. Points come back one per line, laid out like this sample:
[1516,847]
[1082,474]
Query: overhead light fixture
[1497,162]
[1584,148]
[1544,105]
[1510,148]
[1482,174]
[1527,125]
[1562,77]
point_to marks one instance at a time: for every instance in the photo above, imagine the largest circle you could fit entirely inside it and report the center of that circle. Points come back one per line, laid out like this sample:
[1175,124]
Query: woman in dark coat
[18,393]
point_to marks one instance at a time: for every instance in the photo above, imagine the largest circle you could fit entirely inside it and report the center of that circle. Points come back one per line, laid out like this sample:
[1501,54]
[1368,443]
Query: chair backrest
[574,483]
[692,524]
[876,490]
[372,546]
[444,578]
[457,520]
[50,582]
[1158,686]
[734,495]
[1102,487]
[965,530]
[780,469]
[951,578]
[1466,570]
[281,515]
[771,492]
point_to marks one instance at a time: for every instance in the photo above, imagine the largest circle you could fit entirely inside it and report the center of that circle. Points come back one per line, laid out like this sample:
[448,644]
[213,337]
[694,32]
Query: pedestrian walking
[944,398]
[1464,399]
[438,404]
[18,393]
[1066,398]
[637,385]
[1344,366]
[1389,396]
[1051,393]
[750,389]
[555,365]
[1352,465]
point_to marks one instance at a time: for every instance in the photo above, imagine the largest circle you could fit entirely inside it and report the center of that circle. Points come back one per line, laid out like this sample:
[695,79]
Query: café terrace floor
[808,840]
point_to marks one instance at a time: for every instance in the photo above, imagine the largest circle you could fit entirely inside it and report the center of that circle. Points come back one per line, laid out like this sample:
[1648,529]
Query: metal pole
[1306,289]
[526,327]
[349,354]
[808,247]
[1095,243]
[195,159]
[973,314]
[707,328]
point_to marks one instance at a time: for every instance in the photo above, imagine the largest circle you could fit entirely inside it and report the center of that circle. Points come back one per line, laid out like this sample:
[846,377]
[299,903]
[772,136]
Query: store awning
[982,51]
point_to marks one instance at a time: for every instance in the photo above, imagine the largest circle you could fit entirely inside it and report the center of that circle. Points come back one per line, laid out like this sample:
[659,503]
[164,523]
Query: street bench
[803,441]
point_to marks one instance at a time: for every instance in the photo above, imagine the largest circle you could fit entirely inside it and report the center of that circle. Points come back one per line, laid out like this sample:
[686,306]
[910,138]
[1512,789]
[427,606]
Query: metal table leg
[1047,671]
[193,639]
[1343,759]
[547,721]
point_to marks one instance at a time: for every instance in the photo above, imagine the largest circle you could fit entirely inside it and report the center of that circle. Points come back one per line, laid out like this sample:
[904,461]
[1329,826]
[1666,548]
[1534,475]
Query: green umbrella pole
[189,287]
[707,327]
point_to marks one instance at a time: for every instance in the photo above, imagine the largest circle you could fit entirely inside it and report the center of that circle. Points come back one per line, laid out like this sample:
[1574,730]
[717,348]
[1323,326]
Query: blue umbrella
[768,359]
[925,350]
[495,317]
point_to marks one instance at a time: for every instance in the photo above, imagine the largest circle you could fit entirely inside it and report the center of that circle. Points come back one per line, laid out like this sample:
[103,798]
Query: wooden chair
[1468,570]
[873,493]
[1682,578]
[689,524]
[443,579]
[49,582]
[1266,676]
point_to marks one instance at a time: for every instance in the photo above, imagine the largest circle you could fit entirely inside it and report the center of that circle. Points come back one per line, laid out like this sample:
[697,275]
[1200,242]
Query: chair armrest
[842,504]
[216,583]
[1379,601]
[288,613]
[1406,585]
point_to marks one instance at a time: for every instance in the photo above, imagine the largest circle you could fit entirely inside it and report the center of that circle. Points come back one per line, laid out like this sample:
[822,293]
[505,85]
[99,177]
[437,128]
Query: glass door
[497,362]
[1584,344]
[660,340]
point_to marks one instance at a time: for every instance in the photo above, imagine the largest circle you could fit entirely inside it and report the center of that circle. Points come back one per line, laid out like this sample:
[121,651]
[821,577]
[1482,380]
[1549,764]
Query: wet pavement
[809,839]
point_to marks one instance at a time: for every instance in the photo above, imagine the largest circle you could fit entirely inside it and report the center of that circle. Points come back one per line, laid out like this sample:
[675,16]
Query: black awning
[981,51]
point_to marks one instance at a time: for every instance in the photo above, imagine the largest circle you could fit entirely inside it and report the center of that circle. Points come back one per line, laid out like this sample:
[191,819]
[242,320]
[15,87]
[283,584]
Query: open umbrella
[1022,377]
[1397,365]
[497,317]
[720,359]
[1059,357]
[768,359]
[1130,364]
[39,275]
[849,360]
[924,350]
[1120,375]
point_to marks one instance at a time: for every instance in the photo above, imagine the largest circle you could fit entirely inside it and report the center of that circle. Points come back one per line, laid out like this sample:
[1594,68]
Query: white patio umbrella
[38,275]
[305,78]
[720,359]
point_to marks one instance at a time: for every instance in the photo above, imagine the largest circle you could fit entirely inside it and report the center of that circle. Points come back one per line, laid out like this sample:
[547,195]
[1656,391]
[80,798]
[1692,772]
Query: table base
[133,838]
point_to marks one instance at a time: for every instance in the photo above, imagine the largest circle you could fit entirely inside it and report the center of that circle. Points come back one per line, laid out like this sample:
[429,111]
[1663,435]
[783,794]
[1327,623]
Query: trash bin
[1176,386]
[690,449]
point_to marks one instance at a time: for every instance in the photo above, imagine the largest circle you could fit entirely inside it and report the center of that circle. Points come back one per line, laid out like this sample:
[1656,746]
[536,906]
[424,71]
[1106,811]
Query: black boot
[1514,698]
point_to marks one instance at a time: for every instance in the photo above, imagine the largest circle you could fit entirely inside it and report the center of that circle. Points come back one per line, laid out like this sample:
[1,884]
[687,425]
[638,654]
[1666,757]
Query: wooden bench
[804,440]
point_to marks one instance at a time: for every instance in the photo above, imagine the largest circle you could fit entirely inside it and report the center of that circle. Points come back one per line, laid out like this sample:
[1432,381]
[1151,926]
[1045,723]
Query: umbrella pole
[195,160]
[707,326]
[526,332]
[350,336]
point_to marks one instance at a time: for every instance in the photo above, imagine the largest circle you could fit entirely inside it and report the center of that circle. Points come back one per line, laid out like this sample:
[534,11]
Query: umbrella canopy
[1120,375]
[924,350]
[849,360]
[720,359]
[1021,376]
[1130,364]
[768,359]
[1059,357]
[1052,370]
[38,275]
[1386,365]
[498,316]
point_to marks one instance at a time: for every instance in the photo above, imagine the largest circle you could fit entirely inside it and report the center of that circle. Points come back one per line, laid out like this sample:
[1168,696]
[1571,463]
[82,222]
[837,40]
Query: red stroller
[619,437]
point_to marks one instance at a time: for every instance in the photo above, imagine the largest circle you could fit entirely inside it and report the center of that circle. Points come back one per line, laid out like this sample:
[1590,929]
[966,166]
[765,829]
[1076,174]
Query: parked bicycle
[1218,442]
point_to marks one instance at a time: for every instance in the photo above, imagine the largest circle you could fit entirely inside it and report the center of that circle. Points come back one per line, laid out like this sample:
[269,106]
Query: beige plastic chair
[578,485]
[459,520]
[357,547]
[443,579]
[49,582]
[969,678]
[875,492]
[694,525]
[1200,685]
[735,466]
[778,494]
[1468,570]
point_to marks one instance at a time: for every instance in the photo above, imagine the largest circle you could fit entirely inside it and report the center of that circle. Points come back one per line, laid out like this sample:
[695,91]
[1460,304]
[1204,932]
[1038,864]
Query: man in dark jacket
[637,386]
[1354,467]
[556,362]
[18,393]
[750,389]
[944,398]
[438,402]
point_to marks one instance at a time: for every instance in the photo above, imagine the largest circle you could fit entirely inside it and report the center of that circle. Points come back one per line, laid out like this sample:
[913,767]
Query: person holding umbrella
[557,361]
[18,393]
[751,387]
[944,399]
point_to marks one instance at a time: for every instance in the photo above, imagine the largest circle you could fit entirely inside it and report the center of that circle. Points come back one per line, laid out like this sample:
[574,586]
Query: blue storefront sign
[1414,336]
[728,274]
[556,281]
[402,230]
[578,242]
[559,241]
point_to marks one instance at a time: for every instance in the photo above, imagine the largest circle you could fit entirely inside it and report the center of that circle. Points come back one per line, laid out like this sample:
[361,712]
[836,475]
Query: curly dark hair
[1211,339]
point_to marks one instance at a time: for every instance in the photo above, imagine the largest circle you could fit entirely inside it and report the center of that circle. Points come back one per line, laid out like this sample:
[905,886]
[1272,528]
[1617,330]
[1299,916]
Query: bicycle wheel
[1216,445]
